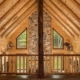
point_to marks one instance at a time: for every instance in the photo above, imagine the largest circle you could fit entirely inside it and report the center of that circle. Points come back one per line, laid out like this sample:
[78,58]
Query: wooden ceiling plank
[6,6]
[67,12]
[16,16]
[21,24]
[78,1]
[1,1]
[19,20]
[63,16]
[12,12]
[62,26]
[59,18]
[17,27]
[73,6]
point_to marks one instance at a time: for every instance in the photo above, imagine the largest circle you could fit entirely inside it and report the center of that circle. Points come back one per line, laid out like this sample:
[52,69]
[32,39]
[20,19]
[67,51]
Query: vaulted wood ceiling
[65,12]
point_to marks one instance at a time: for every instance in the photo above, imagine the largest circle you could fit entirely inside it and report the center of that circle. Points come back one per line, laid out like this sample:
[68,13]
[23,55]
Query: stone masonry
[33,33]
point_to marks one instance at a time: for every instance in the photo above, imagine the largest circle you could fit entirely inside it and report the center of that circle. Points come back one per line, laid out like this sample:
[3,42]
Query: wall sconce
[68,46]
[9,46]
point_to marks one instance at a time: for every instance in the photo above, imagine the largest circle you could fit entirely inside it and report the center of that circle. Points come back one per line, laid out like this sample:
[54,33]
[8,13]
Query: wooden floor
[53,77]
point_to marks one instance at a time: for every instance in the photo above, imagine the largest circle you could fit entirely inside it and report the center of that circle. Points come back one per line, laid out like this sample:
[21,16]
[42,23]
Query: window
[22,40]
[57,40]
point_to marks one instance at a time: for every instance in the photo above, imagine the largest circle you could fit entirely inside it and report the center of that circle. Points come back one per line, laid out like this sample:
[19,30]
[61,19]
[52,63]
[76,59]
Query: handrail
[37,54]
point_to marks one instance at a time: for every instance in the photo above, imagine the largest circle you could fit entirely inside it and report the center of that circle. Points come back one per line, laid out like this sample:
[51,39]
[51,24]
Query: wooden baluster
[27,70]
[50,59]
[79,64]
[16,64]
[8,64]
[72,65]
[5,64]
[64,65]
[31,65]
[35,70]
[23,61]
[12,64]
[37,66]
[54,63]
[76,64]
[69,64]
[19,64]
[0,65]
[23,64]
[46,66]
[61,63]
[57,63]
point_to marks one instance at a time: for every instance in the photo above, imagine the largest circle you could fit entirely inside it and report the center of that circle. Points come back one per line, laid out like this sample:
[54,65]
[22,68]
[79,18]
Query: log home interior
[39,39]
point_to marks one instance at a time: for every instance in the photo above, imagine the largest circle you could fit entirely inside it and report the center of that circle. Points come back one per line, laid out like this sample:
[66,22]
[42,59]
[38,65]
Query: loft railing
[62,64]
[28,64]
[18,64]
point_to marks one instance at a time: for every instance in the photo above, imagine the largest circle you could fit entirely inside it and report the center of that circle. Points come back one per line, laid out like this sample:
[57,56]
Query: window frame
[53,39]
[26,39]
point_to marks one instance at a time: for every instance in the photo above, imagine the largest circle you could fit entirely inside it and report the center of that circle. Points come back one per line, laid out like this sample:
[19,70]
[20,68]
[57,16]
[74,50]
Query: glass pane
[57,40]
[22,40]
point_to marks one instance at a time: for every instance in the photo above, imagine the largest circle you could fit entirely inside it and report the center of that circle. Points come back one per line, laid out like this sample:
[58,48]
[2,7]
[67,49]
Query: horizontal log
[54,54]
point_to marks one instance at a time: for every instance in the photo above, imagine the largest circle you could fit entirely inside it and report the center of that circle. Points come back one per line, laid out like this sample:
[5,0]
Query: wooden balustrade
[62,64]
[28,64]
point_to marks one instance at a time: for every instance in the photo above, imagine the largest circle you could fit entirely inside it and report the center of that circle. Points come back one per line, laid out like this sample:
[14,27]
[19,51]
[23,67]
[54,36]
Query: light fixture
[10,45]
[68,46]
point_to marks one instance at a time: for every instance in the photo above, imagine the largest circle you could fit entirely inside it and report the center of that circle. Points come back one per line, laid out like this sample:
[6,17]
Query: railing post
[40,41]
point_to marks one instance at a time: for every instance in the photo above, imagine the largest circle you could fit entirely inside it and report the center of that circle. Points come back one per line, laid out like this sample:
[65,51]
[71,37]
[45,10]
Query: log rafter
[11,13]
[4,8]
[61,25]
[63,18]
[2,1]
[60,19]
[31,10]
[27,12]
[70,4]
[67,12]
[77,1]
[16,16]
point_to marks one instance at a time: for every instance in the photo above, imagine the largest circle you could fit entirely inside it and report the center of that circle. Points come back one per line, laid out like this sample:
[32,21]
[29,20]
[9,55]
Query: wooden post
[40,41]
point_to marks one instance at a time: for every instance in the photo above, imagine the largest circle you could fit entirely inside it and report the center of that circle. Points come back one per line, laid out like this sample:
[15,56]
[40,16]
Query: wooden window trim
[26,39]
[53,40]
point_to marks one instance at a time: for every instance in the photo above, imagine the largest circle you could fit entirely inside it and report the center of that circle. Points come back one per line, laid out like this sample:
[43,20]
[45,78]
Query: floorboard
[53,77]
